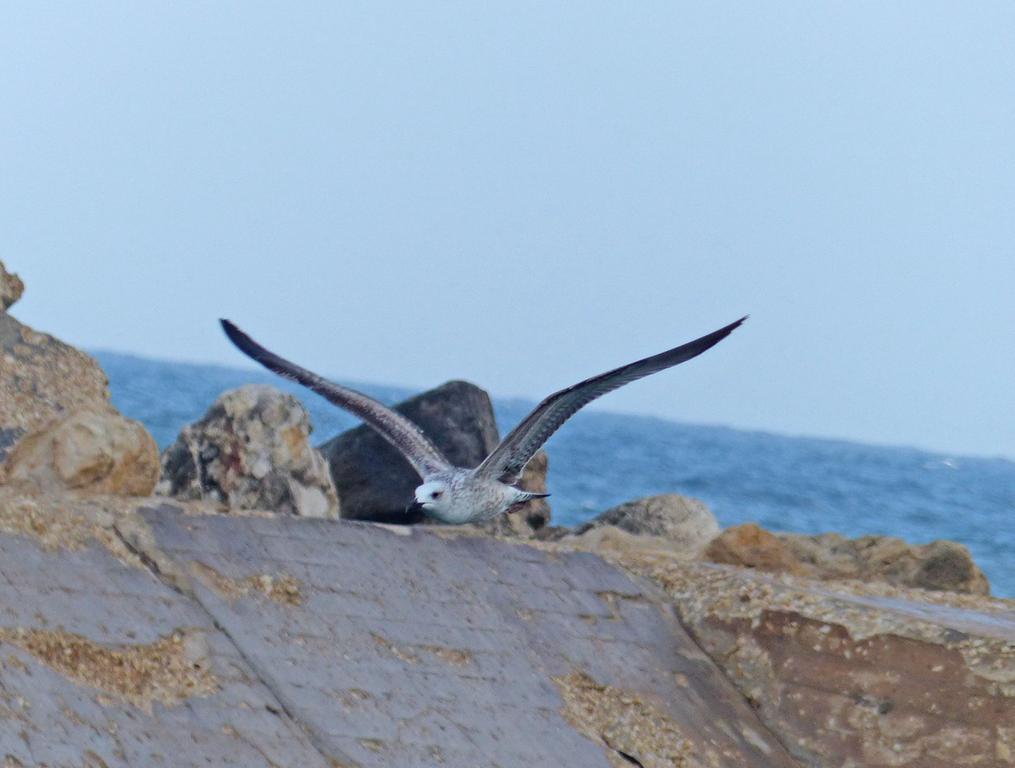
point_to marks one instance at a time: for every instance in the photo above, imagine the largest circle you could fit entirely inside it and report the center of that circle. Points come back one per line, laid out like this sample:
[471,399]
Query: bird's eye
[436,494]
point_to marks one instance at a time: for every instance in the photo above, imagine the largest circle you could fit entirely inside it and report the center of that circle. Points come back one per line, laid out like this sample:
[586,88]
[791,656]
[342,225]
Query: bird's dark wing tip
[243,342]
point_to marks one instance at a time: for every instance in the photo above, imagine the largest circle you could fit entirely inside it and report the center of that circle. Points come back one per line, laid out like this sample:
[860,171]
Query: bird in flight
[457,495]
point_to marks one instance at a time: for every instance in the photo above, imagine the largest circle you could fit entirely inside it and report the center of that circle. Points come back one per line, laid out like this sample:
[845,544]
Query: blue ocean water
[600,459]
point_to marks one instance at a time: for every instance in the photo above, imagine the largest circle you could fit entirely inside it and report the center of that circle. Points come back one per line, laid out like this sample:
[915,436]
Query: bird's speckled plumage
[458,495]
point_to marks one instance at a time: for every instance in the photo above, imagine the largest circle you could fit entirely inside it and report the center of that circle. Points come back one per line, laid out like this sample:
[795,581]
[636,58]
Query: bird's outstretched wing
[510,457]
[392,426]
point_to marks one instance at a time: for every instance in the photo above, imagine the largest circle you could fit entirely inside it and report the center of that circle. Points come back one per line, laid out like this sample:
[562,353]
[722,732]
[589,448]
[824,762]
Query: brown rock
[11,288]
[41,378]
[854,674]
[686,524]
[751,546]
[93,449]
[940,565]
[251,451]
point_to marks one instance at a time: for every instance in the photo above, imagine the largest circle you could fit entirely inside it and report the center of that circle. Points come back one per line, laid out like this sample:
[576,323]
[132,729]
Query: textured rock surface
[93,449]
[687,524]
[11,288]
[940,565]
[853,674]
[255,641]
[103,664]
[250,451]
[376,483]
[41,378]
[751,546]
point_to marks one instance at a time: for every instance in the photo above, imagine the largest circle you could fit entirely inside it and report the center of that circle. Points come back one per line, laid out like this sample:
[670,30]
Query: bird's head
[433,499]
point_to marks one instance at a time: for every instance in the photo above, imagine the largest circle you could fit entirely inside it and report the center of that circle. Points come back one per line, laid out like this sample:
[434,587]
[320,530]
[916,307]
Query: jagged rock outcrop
[251,451]
[940,565]
[855,674]
[376,483]
[163,636]
[680,524]
[11,288]
[93,449]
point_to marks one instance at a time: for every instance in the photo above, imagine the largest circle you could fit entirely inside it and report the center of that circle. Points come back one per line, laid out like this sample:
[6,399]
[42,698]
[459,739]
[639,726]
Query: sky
[525,194]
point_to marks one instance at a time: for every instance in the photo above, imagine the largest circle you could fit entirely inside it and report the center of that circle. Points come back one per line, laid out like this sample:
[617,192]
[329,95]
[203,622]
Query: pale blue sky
[525,194]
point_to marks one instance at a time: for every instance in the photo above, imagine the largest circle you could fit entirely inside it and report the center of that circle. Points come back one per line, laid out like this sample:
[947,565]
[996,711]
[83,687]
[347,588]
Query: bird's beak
[414,512]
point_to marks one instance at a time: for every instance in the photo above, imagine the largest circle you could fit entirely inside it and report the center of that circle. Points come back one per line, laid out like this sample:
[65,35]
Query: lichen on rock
[634,731]
[279,587]
[168,671]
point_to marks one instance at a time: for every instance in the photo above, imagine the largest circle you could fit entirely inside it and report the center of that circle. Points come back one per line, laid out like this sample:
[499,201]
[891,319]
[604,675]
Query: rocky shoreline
[211,594]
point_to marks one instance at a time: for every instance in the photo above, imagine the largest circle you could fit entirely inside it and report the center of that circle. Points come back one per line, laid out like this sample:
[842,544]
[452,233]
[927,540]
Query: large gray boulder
[374,480]
[251,451]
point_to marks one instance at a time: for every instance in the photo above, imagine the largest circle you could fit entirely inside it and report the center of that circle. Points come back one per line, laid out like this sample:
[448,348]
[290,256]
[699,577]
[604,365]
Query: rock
[940,565]
[751,546]
[41,379]
[948,566]
[251,451]
[376,483]
[295,642]
[93,449]
[11,288]
[687,524]
[857,674]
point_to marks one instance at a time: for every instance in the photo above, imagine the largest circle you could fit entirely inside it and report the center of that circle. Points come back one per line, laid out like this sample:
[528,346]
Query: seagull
[457,495]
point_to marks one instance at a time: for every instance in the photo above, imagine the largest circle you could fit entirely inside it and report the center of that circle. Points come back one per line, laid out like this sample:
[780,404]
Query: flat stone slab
[188,639]
[102,664]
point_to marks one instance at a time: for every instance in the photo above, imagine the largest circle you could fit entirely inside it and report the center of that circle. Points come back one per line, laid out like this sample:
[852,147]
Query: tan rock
[940,565]
[686,524]
[751,546]
[41,378]
[618,544]
[93,449]
[251,451]
[11,288]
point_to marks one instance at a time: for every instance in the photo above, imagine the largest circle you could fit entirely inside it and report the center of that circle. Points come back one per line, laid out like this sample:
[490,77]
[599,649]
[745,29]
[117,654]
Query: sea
[601,459]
